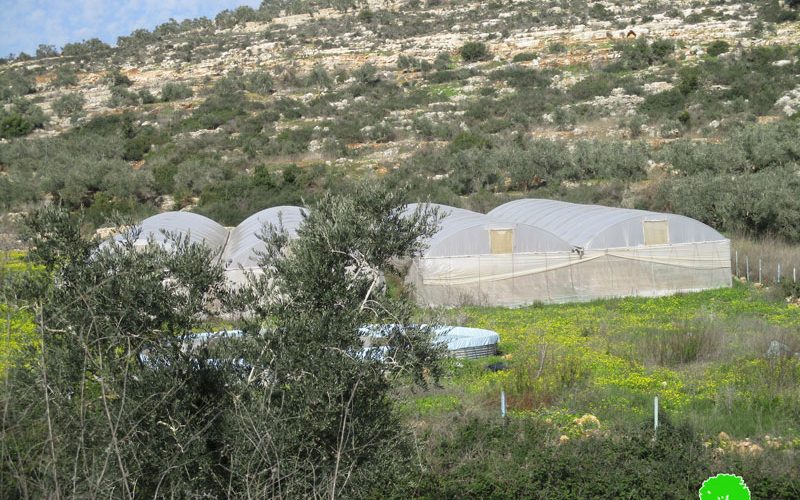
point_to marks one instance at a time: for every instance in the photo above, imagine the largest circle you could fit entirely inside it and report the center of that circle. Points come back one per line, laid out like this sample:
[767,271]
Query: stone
[777,349]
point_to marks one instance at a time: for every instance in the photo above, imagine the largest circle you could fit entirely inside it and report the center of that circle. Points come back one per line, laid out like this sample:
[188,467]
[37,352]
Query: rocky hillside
[683,106]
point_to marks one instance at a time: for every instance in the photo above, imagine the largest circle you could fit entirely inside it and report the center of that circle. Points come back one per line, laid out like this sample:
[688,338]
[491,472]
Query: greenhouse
[245,242]
[199,229]
[530,250]
[238,247]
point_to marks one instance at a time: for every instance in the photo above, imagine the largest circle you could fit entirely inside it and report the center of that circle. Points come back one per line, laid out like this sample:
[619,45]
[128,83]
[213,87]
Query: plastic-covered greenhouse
[533,250]
[238,247]
[245,242]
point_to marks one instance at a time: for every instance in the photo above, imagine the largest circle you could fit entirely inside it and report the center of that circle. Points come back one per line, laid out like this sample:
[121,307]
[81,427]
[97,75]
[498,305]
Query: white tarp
[454,337]
[461,337]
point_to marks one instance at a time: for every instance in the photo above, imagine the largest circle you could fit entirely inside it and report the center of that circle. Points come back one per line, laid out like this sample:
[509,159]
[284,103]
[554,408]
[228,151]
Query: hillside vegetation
[688,107]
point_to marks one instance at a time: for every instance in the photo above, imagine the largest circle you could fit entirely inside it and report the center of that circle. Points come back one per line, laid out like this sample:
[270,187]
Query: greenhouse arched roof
[595,226]
[197,228]
[464,232]
[244,243]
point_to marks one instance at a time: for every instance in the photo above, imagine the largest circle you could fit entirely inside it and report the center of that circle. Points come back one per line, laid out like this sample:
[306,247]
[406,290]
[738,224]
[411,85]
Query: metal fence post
[747,267]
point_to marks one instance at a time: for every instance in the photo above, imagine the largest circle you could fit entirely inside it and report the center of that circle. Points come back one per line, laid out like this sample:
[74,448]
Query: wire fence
[761,270]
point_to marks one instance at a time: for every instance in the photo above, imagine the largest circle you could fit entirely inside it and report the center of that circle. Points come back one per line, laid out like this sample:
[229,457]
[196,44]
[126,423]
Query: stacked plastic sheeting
[463,342]
[591,252]
[460,341]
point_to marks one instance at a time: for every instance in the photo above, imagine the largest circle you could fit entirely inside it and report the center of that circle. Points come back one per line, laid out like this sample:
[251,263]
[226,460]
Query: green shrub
[692,157]
[139,141]
[640,54]
[164,178]
[486,458]
[116,78]
[259,82]
[227,85]
[175,92]
[20,119]
[694,18]
[662,48]
[16,83]
[291,141]
[771,11]
[65,76]
[215,111]
[14,125]
[557,48]
[366,74]
[663,104]
[69,105]
[609,160]
[717,47]
[449,75]
[525,56]
[468,140]
[146,96]
[593,85]
[474,51]
[92,48]
[319,77]
[121,96]
[443,61]
[599,11]
[412,63]
[365,15]
[518,76]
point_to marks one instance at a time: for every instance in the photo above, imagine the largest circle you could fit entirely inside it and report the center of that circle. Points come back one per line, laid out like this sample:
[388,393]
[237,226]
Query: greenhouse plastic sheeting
[237,248]
[463,232]
[523,278]
[245,241]
[595,227]
[197,228]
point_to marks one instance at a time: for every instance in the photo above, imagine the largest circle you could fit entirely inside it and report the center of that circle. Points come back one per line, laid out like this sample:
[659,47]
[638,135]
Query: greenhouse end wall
[520,279]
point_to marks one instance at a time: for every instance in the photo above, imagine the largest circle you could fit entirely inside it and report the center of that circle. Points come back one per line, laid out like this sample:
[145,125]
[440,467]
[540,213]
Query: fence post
[747,267]
[759,271]
[503,403]
[794,274]
[779,272]
[655,416]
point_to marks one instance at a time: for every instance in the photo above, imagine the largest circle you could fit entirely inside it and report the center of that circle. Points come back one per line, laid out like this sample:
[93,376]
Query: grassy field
[722,360]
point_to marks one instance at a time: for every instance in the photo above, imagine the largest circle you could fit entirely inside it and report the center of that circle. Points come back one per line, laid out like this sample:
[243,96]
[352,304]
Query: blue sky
[27,23]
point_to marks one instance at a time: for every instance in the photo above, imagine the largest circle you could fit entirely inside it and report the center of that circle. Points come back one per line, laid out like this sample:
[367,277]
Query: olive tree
[325,424]
[117,397]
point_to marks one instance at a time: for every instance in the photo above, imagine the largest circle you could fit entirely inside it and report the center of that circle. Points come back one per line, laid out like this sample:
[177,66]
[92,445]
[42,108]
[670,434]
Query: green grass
[17,329]
[443,90]
[703,355]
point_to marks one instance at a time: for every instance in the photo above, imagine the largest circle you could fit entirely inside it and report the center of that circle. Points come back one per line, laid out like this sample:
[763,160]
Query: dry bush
[686,342]
[771,251]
